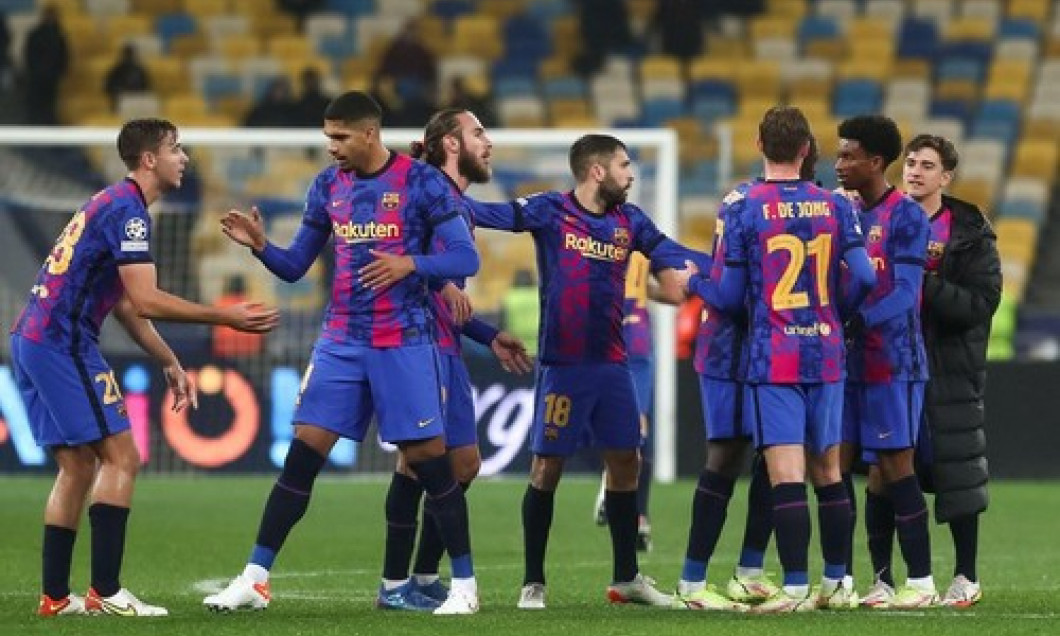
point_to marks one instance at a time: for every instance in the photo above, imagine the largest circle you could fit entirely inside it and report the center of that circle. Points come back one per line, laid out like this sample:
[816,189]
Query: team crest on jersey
[391,200]
[875,234]
[935,249]
[621,237]
[733,197]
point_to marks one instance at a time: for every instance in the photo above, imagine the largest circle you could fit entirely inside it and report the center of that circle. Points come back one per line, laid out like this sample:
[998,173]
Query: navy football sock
[57,554]
[710,506]
[911,519]
[833,518]
[879,526]
[402,504]
[430,549]
[792,520]
[759,524]
[965,531]
[848,485]
[538,506]
[108,546]
[446,499]
[622,522]
[287,502]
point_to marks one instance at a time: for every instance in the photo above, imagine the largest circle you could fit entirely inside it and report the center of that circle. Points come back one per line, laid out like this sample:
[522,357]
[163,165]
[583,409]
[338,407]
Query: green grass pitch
[188,535]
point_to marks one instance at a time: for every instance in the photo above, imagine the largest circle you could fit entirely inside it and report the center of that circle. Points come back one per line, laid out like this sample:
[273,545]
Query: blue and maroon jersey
[896,233]
[393,210]
[446,330]
[582,259]
[78,284]
[719,340]
[941,223]
[791,236]
[637,323]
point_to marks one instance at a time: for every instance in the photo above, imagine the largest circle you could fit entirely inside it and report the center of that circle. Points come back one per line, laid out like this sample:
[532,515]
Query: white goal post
[663,207]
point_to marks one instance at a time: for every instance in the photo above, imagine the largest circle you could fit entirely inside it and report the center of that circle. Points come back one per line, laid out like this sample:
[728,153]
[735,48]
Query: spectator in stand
[407,61]
[46,58]
[275,109]
[679,25]
[310,105]
[460,96]
[604,28]
[300,10]
[128,75]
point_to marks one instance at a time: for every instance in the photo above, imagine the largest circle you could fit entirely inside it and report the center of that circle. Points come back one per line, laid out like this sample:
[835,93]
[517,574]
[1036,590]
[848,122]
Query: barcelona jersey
[447,331]
[582,259]
[790,237]
[896,233]
[393,210]
[78,284]
[637,323]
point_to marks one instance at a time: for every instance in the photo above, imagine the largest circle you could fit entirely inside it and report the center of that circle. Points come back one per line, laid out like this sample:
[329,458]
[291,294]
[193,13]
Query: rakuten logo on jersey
[592,248]
[360,232]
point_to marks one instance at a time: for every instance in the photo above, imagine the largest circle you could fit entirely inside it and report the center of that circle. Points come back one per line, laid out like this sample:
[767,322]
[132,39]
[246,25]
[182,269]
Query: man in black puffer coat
[962,289]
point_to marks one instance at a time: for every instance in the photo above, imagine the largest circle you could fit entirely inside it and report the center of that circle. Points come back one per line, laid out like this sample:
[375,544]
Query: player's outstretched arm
[144,334]
[862,279]
[141,287]
[289,264]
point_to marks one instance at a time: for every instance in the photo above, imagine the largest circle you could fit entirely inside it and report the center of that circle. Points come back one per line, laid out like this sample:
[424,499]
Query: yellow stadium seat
[808,89]
[759,79]
[767,26]
[477,35]
[587,121]
[790,9]
[189,45]
[569,108]
[660,67]
[833,50]
[68,8]
[78,107]
[698,228]
[169,76]
[236,48]
[1010,69]
[1012,88]
[433,32]
[270,25]
[641,9]
[181,107]
[553,67]
[355,69]
[1016,230]
[1041,128]
[969,28]
[119,26]
[1037,10]
[912,68]
[872,68]
[566,40]
[967,90]
[500,9]
[711,68]
[869,28]
[206,7]
[1036,158]
[294,66]
[234,107]
[980,192]
[156,7]
[288,47]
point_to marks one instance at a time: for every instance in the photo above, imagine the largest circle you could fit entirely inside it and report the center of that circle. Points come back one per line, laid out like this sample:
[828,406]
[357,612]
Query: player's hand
[685,275]
[459,303]
[386,269]
[184,390]
[252,317]
[245,229]
[511,352]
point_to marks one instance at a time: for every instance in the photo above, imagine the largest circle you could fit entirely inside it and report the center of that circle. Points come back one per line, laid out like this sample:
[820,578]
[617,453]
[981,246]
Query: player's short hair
[138,136]
[783,131]
[947,151]
[877,134]
[590,149]
[441,123]
[353,107]
[808,169]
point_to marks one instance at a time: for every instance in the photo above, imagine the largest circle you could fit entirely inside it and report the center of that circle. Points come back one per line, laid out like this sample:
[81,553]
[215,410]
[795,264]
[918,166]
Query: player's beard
[611,193]
[474,168]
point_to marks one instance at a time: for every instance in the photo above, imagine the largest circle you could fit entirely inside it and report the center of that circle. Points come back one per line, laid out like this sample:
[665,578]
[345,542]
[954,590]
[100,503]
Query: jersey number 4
[820,248]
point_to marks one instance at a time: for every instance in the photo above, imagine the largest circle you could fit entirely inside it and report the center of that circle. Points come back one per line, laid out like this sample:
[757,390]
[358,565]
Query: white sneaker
[123,603]
[640,590]
[241,593]
[532,596]
[459,602]
[879,595]
[69,605]
[838,597]
[962,593]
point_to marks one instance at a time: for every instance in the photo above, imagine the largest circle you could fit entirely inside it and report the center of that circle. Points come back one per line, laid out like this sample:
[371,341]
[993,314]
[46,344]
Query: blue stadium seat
[699,179]
[712,108]
[527,37]
[975,50]
[450,9]
[352,8]
[564,87]
[958,109]
[817,27]
[547,10]
[216,86]
[514,86]
[339,48]
[856,97]
[514,69]
[917,38]
[1023,209]
[657,111]
[713,89]
[18,6]
[171,25]
[1019,28]
[961,68]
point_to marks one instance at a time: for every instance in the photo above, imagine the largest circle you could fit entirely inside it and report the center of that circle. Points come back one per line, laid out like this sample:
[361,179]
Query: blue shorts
[71,399]
[460,427]
[722,408]
[851,422]
[806,414]
[572,399]
[888,414]
[643,371]
[344,385]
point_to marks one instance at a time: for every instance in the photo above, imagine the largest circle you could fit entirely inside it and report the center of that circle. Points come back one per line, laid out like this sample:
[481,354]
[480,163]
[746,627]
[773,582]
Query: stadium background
[985,73]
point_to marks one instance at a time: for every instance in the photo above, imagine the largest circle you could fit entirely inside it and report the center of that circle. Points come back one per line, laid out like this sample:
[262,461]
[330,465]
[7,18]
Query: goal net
[249,384]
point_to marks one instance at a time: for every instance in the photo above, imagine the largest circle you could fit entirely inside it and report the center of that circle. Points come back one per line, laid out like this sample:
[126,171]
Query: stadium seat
[168,75]
[938,11]
[202,8]
[1036,158]
[840,10]
[891,10]
[137,105]
[352,8]
[981,9]
[856,97]
[1025,197]
[1034,10]
[477,35]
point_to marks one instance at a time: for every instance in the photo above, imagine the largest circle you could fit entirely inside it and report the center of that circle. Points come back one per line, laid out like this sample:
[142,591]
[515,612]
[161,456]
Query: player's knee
[545,472]
[466,470]
[725,458]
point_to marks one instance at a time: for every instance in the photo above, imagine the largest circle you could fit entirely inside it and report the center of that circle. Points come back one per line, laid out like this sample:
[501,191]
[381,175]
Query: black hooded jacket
[959,302]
